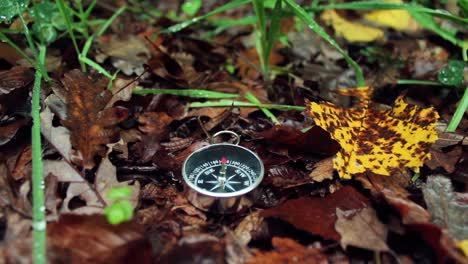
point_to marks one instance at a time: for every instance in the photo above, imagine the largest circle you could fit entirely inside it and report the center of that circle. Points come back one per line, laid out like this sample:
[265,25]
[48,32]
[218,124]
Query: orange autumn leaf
[380,141]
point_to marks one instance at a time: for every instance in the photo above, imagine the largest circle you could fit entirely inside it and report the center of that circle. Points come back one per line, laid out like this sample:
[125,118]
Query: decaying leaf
[288,251]
[397,19]
[381,141]
[322,170]
[59,136]
[448,208]
[248,227]
[392,189]
[91,239]
[15,78]
[128,55]
[91,125]
[361,229]
[318,215]
[155,126]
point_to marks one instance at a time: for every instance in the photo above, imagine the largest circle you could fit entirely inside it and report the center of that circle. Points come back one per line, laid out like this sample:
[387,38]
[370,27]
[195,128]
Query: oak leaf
[90,123]
[380,141]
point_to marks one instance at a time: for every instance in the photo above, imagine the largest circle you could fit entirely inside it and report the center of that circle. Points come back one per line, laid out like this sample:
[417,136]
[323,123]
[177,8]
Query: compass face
[223,170]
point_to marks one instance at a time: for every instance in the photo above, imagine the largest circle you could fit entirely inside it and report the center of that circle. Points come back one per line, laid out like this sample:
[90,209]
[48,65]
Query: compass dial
[223,170]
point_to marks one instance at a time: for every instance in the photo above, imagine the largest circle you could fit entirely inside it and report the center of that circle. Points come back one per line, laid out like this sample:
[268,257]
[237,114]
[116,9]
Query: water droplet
[40,226]
[42,208]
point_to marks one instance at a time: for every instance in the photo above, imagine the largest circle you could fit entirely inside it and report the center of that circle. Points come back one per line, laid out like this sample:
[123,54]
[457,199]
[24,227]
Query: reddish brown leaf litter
[318,215]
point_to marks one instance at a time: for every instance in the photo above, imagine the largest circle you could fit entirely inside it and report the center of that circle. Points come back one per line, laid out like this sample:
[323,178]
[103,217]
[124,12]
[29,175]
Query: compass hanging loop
[233,134]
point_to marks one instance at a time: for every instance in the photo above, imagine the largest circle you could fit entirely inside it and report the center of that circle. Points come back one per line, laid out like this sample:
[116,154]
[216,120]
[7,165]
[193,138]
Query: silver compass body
[222,171]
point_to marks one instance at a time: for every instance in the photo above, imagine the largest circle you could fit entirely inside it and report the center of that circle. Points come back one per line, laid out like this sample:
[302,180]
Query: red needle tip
[223,160]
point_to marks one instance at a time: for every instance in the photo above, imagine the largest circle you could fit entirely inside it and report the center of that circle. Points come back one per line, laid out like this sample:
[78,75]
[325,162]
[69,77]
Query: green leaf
[43,11]
[119,212]
[191,7]
[452,75]
[118,193]
[9,8]
[58,21]
[46,33]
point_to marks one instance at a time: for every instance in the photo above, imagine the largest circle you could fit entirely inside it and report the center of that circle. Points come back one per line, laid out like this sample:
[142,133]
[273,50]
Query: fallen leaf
[128,54]
[288,251]
[351,31]
[20,170]
[15,78]
[8,130]
[199,252]
[318,215]
[91,125]
[322,170]
[392,189]
[91,239]
[59,137]
[381,141]
[397,19]
[447,160]
[361,229]
[446,207]
[246,229]
[154,125]
[314,141]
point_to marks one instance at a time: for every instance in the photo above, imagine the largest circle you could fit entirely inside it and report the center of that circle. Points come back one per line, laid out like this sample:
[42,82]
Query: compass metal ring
[234,134]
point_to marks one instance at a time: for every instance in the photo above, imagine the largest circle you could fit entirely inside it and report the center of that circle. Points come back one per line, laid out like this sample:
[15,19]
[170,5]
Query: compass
[222,170]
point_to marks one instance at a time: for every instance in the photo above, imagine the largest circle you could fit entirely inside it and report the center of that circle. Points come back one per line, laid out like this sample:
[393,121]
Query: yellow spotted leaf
[396,19]
[463,245]
[351,31]
[381,141]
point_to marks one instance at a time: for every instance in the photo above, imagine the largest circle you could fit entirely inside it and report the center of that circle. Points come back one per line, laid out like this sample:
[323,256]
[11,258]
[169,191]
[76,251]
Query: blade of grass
[274,31]
[229,103]
[39,222]
[428,22]
[458,115]
[96,66]
[249,96]
[228,6]
[68,23]
[3,37]
[188,92]
[104,27]
[380,5]
[307,19]
[417,82]
[261,35]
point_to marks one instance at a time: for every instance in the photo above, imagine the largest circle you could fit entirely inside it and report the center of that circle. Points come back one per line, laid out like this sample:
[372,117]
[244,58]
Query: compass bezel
[243,191]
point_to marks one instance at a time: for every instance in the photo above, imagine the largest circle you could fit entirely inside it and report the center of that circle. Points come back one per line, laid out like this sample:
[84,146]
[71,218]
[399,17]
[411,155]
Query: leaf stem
[39,222]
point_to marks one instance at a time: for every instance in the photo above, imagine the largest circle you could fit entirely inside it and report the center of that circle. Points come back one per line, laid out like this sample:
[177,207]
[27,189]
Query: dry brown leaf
[322,170]
[91,239]
[155,126]
[59,137]
[361,229]
[248,227]
[91,125]
[288,251]
[128,54]
[15,78]
[318,215]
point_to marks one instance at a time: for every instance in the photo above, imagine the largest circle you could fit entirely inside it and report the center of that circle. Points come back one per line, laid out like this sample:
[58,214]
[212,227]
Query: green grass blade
[274,31]
[249,96]
[4,38]
[68,22]
[96,66]
[458,115]
[229,103]
[417,82]
[307,19]
[428,22]
[188,92]
[39,222]
[380,5]
[104,27]
[228,6]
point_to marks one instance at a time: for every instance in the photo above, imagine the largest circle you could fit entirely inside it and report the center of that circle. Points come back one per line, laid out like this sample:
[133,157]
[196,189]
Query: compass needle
[229,186]
[216,186]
